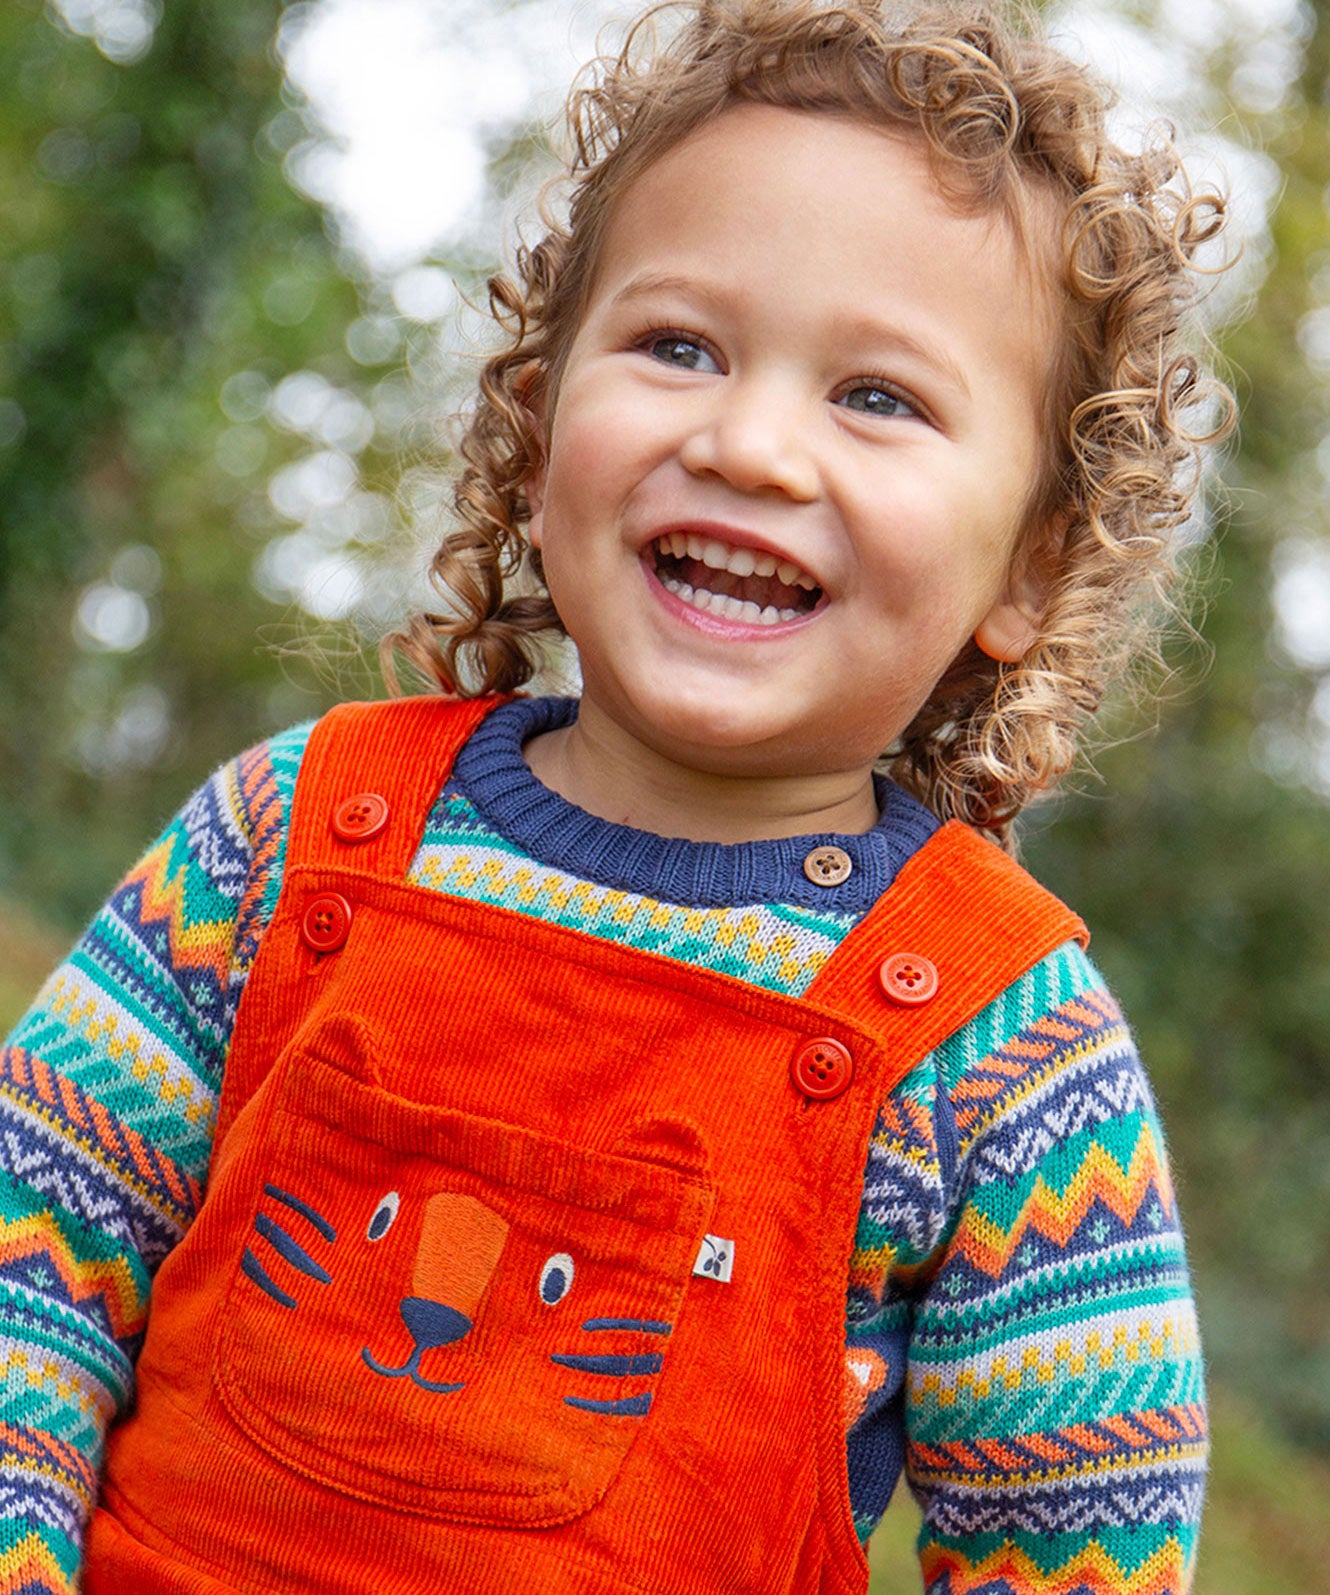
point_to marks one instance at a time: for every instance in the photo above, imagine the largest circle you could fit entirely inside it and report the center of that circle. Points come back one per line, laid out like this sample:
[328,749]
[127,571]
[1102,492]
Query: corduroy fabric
[603,1106]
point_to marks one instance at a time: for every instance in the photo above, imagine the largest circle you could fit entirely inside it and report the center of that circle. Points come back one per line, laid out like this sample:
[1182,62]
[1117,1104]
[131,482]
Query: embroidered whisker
[648,1362]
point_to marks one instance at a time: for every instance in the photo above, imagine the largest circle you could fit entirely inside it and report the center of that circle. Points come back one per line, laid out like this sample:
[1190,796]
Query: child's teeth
[741,562]
[726,607]
[714,554]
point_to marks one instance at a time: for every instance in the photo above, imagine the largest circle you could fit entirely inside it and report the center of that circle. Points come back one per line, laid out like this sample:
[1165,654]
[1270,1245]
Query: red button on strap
[327,922]
[908,979]
[822,1068]
[360,817]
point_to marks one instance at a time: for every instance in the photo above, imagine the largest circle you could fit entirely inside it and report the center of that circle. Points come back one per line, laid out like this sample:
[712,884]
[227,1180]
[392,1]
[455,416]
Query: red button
[822,1068]
[908,979]
[327,922]
[360,817]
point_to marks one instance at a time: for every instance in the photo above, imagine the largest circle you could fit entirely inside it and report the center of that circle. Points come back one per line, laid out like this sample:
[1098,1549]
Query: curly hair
[1011,125]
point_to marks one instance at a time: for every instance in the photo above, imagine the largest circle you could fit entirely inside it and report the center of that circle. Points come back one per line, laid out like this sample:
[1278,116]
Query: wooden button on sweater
[828,866]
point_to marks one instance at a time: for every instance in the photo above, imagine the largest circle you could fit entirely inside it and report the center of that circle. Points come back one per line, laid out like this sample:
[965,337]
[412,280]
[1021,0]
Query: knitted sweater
[1018,1252]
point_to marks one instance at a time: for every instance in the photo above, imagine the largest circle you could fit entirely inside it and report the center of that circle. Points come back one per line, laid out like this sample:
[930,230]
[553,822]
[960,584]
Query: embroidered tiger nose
[461,1241]
[432,1323]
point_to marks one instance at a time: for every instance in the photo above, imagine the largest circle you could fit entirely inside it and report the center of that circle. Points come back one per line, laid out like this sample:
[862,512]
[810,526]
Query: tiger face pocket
[447,1314]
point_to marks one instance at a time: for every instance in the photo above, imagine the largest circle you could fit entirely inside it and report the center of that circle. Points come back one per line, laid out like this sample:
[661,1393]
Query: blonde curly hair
[1012,125]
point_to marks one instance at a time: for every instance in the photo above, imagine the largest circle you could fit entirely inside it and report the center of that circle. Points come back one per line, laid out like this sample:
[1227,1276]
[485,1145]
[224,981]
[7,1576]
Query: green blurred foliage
[151,249]
[1206,878]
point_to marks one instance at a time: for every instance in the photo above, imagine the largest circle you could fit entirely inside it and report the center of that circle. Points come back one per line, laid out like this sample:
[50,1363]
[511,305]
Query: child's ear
[1009,630]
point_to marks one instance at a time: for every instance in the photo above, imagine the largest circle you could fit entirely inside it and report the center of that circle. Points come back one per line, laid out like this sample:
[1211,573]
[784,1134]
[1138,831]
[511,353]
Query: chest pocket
[443,1313]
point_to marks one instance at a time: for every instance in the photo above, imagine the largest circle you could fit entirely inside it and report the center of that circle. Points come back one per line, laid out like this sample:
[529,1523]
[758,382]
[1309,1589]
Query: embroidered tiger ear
[346,1043]
[673,1143]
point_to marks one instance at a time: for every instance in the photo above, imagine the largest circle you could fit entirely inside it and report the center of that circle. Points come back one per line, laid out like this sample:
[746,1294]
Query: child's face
[794,354]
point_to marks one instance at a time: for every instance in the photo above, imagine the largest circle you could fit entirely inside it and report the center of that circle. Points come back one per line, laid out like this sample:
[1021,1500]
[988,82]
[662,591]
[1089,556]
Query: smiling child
[598,1145]
[819,256]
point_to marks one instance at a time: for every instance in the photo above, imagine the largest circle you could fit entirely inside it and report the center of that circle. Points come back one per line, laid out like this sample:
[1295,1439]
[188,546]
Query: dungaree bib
[523,1261]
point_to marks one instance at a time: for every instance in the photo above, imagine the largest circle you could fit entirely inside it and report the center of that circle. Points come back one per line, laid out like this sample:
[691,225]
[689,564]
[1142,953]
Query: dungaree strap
[399,753]
[961,922]
[961,910]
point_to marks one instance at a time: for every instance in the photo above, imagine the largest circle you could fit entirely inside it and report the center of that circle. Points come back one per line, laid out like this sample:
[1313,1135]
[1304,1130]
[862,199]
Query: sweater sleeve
[1053,1400]
[108,1090]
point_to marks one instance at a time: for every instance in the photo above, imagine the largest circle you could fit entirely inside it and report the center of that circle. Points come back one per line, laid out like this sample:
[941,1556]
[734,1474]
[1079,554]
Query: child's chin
[729,739]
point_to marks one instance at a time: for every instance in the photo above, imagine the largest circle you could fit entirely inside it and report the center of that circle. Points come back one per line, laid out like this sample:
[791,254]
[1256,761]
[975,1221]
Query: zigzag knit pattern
[780,946]
[1020,1330]
[108,1088]
[30,1566]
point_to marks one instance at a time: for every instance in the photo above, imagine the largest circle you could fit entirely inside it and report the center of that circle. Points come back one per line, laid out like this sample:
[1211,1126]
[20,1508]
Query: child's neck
[598,766]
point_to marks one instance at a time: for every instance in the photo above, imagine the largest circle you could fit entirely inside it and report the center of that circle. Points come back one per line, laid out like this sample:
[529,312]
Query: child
[635,1131]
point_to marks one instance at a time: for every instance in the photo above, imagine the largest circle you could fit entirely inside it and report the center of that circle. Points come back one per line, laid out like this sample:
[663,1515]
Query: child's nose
[755,438]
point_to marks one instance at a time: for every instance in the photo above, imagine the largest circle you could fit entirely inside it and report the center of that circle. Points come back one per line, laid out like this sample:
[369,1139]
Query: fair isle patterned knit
[781,946]
[1020,1333]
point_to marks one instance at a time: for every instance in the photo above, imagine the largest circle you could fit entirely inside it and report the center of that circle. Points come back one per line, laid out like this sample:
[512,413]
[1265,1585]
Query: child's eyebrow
[856,330]
[864,329]
[665,282]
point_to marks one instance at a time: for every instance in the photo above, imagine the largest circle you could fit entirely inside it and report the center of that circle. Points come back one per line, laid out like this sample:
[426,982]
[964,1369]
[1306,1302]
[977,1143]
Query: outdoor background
[235,245]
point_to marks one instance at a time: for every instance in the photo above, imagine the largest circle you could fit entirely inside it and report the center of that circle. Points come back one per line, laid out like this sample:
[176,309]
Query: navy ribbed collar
[497,780]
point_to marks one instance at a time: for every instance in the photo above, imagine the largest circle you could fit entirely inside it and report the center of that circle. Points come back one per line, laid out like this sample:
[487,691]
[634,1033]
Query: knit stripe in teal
[781,947]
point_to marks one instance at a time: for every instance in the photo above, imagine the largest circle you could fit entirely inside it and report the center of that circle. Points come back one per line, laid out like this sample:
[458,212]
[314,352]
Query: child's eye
[672,349]
[870,399]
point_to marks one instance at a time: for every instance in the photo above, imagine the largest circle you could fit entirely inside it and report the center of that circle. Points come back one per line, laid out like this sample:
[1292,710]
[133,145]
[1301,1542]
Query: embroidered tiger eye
[556,1278]
[384,1214]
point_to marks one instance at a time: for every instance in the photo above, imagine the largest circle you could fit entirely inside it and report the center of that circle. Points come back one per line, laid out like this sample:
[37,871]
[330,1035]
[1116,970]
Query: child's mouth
[737,584]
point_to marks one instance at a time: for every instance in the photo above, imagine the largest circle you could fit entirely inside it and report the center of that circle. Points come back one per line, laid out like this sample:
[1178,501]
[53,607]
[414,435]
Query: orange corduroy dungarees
[454,1316]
